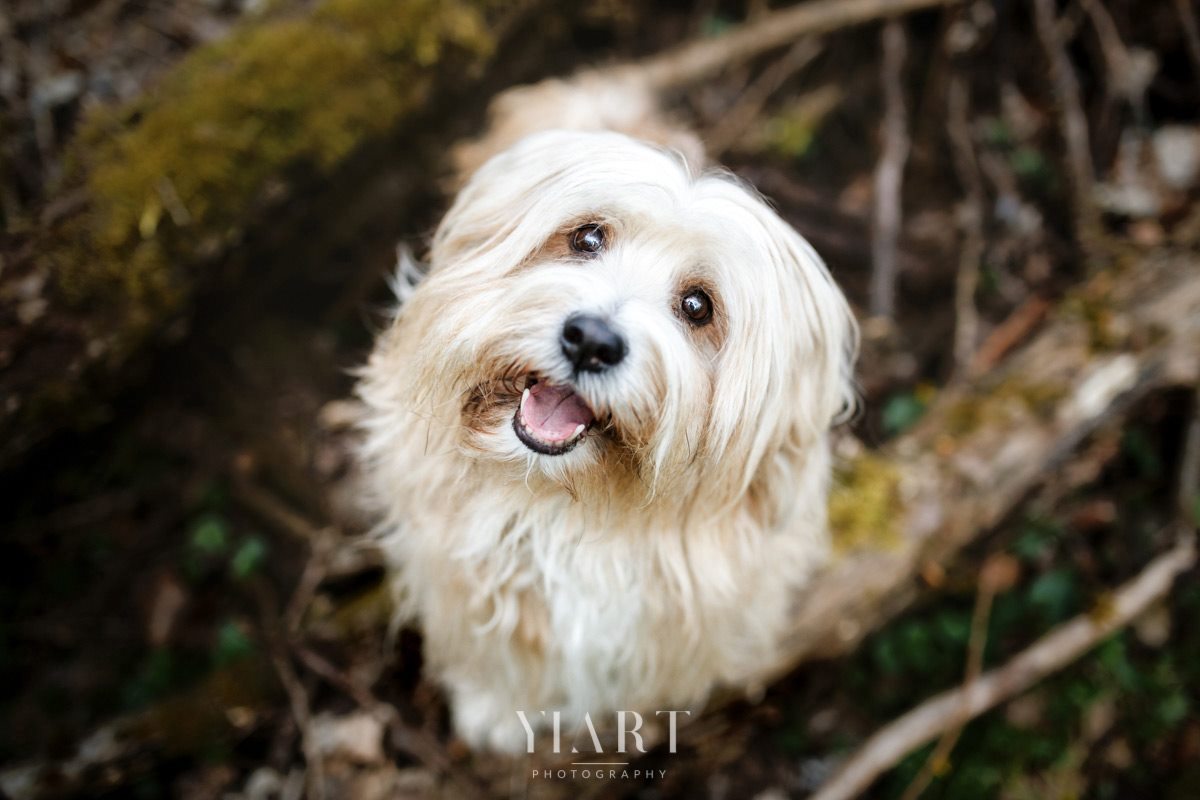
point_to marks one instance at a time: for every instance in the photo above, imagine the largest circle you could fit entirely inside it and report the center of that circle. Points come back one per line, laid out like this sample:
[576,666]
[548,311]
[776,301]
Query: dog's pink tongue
[554,413]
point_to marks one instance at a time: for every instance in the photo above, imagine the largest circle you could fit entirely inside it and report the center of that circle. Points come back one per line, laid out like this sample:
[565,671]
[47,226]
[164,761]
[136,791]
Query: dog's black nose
[590,343]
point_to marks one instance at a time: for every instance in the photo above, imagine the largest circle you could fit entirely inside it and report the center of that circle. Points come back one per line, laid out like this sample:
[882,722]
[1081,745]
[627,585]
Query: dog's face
[598,315]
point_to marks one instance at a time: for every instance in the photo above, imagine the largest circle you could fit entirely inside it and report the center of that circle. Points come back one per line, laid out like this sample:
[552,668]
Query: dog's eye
[587,239]
[696,306]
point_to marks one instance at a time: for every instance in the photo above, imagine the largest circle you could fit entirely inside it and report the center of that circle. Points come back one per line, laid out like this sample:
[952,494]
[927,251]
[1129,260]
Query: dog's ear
[504,210]
[787,375]
[837,333]
[818,392]
[817,325]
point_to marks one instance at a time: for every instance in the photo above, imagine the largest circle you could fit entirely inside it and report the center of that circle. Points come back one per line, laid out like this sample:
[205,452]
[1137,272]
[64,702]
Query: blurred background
[201,202]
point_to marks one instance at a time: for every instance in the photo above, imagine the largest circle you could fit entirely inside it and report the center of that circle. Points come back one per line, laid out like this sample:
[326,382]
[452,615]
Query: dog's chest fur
[530,599]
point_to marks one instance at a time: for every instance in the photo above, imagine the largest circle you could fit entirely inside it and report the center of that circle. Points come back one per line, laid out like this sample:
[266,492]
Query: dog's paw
[489,723]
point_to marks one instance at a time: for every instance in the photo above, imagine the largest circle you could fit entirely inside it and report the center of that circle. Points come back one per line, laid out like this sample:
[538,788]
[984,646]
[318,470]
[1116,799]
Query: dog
[596,434]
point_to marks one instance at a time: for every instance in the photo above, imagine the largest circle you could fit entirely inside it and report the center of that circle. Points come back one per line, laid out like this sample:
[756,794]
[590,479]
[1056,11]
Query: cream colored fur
[657,560]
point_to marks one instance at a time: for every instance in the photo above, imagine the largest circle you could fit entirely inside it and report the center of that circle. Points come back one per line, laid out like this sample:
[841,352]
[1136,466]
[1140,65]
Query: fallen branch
[1073,123]
[1052,652]
[971,214]
[698,60]
[1191,32]
[998,574]
[889,173]
[1008,334]
[984,445]
[518,112]
[751,102]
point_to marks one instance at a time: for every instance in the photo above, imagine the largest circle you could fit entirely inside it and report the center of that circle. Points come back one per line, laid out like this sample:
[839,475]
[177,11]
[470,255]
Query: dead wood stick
[416,743]
[1052,652]
[299,703]
[998,574]
[1008,334]
[986,444]
[700,59]
[1188,492]
[1191,31]
[1124,78]
[971,214]
[645,80]
[1073,122]
[889,173]
[751,102]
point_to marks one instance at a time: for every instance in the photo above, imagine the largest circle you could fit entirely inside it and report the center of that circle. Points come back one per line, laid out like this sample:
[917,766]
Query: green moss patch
[865,505]
[186,170]
[1014,397]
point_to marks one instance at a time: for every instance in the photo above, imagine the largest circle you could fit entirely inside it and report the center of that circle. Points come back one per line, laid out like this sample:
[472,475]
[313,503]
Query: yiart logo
[599,764]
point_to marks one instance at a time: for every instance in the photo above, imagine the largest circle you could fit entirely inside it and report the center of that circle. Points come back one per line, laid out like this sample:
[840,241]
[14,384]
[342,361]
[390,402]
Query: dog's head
[598,315]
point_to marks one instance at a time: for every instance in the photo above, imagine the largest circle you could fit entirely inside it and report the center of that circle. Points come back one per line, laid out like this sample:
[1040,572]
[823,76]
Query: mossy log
[985,445]
[161,192]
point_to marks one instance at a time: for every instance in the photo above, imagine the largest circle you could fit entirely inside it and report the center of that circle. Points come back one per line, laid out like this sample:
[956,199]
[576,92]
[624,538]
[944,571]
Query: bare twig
[966,316]
[997,575]
[1073,122]
[298,700]
[889,174]
[1116,54]
[421,746]
[1052,652]
[314,572]
[275,512]
[1188,493]
[1191,31]
[697,60]
[641,81]
[1009,334]
[750,103]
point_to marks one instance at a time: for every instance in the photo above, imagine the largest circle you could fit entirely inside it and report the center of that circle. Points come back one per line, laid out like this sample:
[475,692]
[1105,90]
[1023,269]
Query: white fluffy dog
[597,433]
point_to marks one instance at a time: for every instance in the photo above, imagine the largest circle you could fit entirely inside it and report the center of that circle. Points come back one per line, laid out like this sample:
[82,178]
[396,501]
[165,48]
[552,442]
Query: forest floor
[145,562]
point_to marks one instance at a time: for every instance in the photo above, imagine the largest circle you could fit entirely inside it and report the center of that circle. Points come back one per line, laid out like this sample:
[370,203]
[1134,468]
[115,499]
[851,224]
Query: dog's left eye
[696,305]
[587,239]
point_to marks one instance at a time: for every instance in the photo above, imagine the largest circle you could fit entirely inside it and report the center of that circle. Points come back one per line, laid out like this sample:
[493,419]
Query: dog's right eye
[587,239]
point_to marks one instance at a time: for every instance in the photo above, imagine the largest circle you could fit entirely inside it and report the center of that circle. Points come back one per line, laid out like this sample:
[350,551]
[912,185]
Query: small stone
[356,737]
[1176,151]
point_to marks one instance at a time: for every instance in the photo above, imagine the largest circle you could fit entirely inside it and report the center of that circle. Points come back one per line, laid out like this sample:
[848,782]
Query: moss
[865,505]
[1093,305]
[792,132]
[369,611]
[1015,395]
[181,173]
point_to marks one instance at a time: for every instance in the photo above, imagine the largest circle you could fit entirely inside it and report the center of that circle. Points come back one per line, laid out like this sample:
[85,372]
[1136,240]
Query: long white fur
[645,568]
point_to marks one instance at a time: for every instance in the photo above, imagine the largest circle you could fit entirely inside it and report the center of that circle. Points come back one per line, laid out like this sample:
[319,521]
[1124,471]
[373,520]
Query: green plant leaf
[210,535]
[232,644]
[248,557]
[901,412]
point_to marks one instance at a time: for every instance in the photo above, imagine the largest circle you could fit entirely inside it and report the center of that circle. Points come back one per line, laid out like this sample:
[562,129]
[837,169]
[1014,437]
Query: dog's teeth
[578,432]
[524,397]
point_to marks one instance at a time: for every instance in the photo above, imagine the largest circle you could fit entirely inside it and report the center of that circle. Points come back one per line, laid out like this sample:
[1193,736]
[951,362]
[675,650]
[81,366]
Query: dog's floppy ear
[506,208]
[786,376]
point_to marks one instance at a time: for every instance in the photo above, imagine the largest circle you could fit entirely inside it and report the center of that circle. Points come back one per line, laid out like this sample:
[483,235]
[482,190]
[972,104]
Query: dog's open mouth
[551,419]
